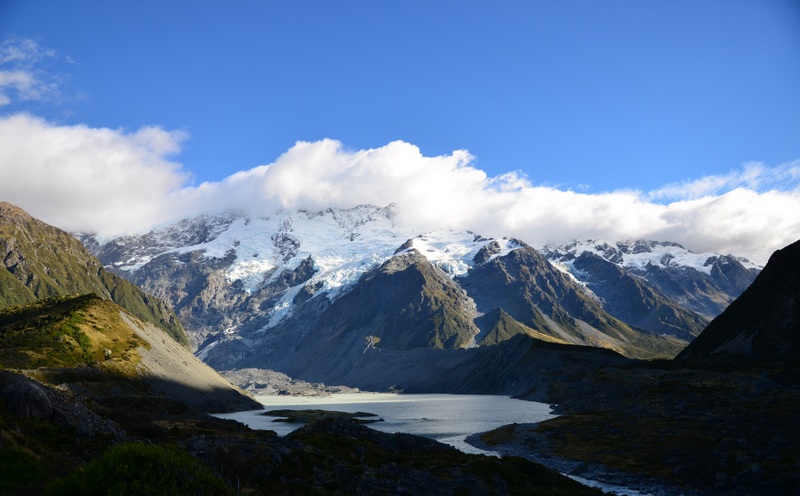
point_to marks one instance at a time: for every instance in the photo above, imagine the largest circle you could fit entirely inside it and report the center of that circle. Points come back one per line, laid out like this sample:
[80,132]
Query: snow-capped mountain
[301,292]
[223,264]
[705,283]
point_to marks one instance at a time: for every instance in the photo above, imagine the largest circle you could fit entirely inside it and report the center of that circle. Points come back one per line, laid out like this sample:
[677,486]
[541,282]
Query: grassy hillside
[41,261]
[67,332]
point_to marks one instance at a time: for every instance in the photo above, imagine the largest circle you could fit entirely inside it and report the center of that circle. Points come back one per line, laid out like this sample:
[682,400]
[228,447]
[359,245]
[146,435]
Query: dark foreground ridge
[720,419]
[682,431]
[90,412]
[48,436]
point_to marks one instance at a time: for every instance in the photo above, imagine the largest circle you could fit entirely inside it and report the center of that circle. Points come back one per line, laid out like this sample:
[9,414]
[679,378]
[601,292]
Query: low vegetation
[75,419]
[141,469]
[67,331]
[43,262]
[720,431]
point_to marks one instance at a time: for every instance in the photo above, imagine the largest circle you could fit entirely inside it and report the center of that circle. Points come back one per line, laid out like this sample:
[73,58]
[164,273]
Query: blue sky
[673,100]
[604,95]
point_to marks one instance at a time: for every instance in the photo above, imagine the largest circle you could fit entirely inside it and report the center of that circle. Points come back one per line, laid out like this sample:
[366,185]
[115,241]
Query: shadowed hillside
[764,322]
[720,419]
[87,376]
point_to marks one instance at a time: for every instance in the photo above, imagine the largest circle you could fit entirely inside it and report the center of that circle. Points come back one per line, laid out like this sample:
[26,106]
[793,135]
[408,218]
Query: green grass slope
[41,261]
[63,332]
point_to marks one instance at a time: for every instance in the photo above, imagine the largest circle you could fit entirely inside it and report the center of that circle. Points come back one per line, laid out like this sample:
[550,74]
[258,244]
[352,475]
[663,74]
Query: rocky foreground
[269,383]
[668,430]
[55,443]
[95,401]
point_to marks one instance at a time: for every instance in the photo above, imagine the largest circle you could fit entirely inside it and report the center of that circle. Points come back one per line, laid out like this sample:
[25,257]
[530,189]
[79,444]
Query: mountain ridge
[246,285]
[705,283]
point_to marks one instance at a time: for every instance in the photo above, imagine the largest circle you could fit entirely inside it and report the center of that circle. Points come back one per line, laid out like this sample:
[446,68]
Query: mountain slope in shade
[498,326]
[705,283]
[41,261]
[528,288]
[405,303]
[764,322]
[633,300]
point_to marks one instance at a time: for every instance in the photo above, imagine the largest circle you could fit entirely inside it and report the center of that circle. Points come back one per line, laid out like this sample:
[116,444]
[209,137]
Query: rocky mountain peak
[402,261]
[495,248]
[10,213]
[704,283]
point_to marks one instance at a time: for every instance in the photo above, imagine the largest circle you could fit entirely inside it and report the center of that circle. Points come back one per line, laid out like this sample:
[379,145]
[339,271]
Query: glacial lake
[448,418]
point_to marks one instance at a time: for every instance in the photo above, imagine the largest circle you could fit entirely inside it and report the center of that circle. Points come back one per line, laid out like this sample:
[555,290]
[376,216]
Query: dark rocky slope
[764,322]
[524,285]
[706,287]
[405,303]
[633,300]
[719,420]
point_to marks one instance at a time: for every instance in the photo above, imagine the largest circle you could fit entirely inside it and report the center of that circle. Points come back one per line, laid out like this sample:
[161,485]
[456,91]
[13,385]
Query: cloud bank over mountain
[115,181]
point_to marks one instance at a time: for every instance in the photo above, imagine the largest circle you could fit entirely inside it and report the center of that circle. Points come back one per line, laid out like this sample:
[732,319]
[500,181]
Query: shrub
[18,469]
[133,469]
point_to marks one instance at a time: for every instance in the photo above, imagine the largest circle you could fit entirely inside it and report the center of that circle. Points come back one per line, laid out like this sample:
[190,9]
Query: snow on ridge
[450,251]
[507,245]
[453,252]
[342,251]
[576,275]
[639,254]
[342,243]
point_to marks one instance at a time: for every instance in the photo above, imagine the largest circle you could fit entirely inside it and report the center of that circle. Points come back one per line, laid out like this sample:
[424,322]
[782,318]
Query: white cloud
[20,75]
[23,51]
[87,179]
[754,176]
[110,181]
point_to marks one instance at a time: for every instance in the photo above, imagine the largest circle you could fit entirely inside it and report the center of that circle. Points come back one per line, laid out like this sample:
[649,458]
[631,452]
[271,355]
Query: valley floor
[48,433]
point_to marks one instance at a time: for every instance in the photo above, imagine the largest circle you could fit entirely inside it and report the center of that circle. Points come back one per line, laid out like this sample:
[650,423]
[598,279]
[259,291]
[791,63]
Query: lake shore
[524,441]
[447,418]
